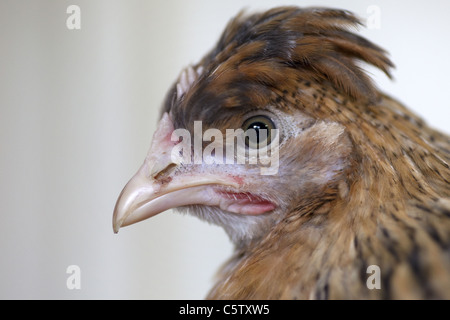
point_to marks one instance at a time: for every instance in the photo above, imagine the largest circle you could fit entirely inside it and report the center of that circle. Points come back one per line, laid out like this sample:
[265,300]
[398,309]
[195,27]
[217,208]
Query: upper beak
[155,188]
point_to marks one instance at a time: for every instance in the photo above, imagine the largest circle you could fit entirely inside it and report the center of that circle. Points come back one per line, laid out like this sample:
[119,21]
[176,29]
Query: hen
[352,198]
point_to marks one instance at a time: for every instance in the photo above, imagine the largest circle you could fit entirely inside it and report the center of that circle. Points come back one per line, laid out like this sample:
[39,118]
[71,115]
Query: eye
[258,131]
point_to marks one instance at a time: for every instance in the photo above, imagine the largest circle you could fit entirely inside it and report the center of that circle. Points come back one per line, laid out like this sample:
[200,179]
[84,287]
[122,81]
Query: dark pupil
[258,126]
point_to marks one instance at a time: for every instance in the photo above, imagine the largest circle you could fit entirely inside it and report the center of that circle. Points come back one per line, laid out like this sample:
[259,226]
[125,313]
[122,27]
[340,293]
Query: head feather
[260,55]
[315,41]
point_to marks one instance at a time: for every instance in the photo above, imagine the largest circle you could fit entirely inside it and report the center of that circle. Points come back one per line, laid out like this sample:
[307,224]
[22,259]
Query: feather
[363,183]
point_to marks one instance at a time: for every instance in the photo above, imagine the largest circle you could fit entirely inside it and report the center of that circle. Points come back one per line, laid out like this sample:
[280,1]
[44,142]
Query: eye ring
[258,131]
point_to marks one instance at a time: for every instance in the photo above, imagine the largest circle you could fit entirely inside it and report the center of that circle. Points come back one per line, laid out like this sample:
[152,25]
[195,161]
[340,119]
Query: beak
[157,186]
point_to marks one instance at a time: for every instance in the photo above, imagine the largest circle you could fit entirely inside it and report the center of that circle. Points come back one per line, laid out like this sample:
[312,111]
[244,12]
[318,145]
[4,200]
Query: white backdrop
[77,111]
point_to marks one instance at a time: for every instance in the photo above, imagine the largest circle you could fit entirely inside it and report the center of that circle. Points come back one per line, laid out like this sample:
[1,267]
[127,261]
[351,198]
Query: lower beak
[143,198]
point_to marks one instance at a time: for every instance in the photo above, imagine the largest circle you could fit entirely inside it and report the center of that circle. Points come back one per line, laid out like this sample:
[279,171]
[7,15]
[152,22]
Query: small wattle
[245,203]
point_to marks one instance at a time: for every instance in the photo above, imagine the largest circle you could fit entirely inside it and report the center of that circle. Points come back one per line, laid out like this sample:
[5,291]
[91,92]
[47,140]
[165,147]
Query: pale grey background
[78,109]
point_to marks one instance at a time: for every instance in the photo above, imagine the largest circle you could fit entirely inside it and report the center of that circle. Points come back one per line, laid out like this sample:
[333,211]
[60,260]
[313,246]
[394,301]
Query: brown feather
[387,204]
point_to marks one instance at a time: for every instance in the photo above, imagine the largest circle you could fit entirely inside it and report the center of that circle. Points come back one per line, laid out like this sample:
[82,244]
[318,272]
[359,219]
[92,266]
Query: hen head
[278,136]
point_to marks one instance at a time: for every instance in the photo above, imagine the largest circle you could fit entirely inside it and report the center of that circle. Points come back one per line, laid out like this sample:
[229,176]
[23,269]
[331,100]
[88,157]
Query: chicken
[351,184]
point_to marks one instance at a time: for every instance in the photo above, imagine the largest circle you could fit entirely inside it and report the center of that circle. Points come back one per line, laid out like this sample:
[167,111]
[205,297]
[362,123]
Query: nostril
[164,172]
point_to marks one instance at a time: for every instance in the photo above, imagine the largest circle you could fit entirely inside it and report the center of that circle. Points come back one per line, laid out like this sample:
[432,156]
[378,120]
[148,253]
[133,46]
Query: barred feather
[366,182]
